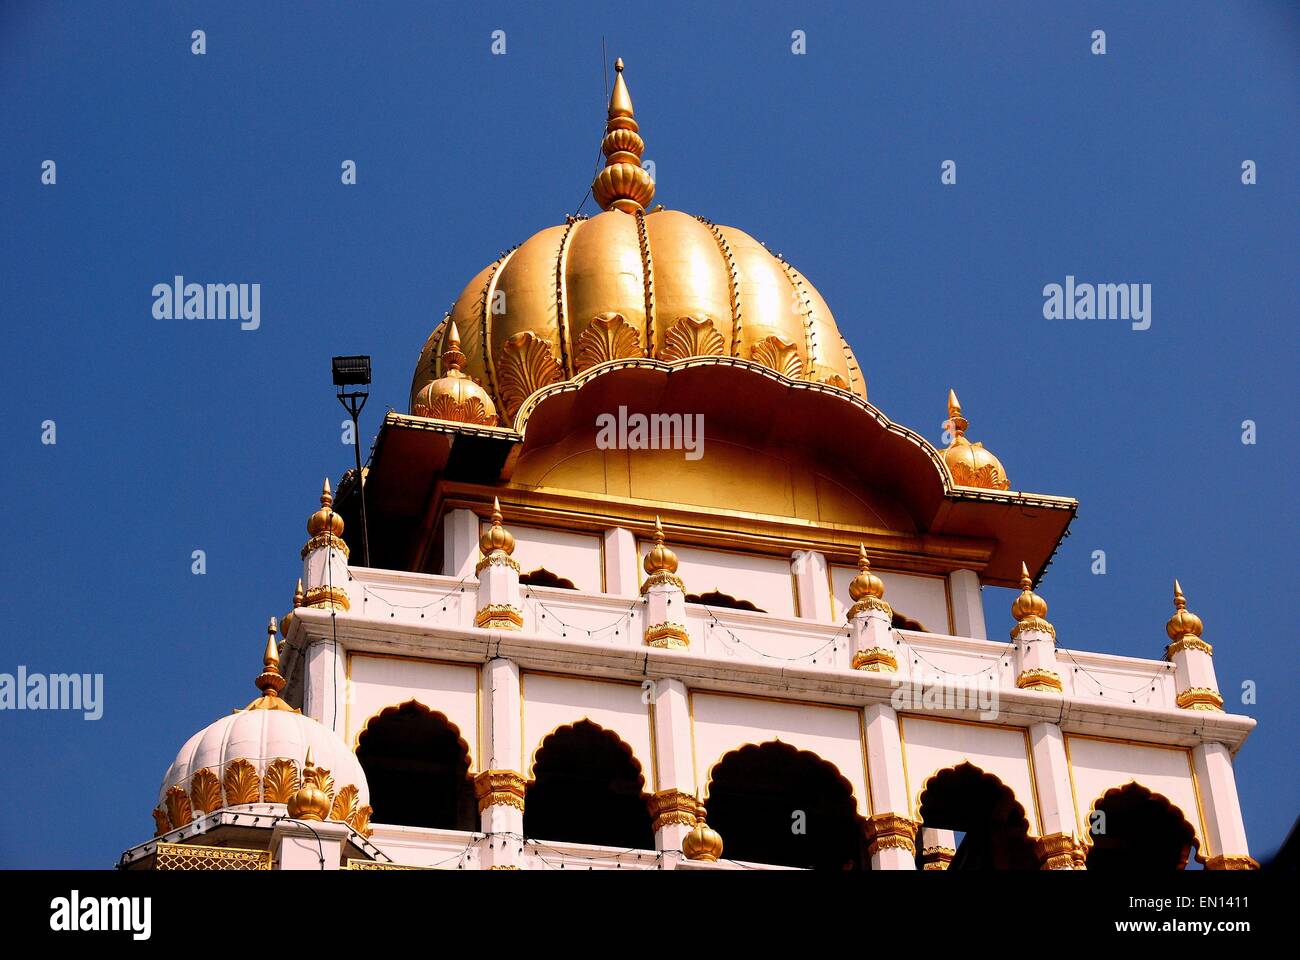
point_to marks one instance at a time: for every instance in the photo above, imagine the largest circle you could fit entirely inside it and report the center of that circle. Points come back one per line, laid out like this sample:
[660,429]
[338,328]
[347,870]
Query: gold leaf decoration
[280,781]
[835,380]
[361,821]
[689,337]
[779,355]
[443,407]
[607,337]
[179,811]
[526,365]
[241,783]
[324,782]
[160,822]
[346,804]
[205,791]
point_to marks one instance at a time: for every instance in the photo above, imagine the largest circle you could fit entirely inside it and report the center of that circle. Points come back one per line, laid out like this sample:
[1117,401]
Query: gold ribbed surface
[562,278]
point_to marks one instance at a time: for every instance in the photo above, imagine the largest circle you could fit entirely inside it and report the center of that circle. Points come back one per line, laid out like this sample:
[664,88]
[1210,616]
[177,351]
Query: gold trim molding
[1044,681]
[499,616]
[1199,698]
[889,831]
[667,636]
[495,788]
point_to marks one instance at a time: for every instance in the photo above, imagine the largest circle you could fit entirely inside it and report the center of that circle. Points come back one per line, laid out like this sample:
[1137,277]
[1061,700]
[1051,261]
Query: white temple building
[761,646]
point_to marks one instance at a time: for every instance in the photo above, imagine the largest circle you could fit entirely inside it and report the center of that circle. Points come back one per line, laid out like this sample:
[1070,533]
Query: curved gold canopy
[627,283]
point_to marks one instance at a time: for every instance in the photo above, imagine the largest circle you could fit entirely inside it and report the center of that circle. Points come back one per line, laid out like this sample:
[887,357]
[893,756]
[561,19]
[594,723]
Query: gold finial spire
[866,589]
[297,594]
[452,357]
[1029,609]
[660,562]
[970,464]
[623,184]
[956,421]
[496,537]
[1183,623]
[270,681]
[325,521]
[287,620]
[310,801]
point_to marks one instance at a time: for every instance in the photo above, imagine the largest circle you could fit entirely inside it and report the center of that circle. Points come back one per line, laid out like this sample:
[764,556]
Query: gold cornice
[674,807]
[1232,862]
[500,788]
[1044,681]
[1189,642]
[1199,698]
[875,660]
[499,616]
[668,636]
[889,831]
[1061,851]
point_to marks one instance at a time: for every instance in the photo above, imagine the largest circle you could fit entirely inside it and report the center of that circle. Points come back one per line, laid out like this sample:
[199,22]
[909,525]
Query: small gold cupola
[969,463]
[496,537]
[661,563]
[867,590]
[455,395]
[623,184]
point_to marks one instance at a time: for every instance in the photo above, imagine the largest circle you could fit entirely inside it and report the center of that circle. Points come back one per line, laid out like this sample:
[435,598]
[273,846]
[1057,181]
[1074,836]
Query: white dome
[261,737]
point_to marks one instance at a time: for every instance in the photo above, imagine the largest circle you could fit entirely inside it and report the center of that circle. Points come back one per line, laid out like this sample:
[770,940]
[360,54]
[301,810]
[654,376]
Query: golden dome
[454,396]
[1183,623]
[969,463]
[633,284]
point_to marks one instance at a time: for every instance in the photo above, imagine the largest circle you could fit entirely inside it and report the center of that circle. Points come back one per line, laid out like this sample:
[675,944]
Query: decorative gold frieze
[937,857]
[499,616]
[1188,643]
[1231,862]
[323,542]
[875,660]
[674,807]
[1061,851]
[354,864]
[667,636]
[1199,698]
[178,856]
[495,788]
[497,559]
[327,598]
[1044,681]
[889,831]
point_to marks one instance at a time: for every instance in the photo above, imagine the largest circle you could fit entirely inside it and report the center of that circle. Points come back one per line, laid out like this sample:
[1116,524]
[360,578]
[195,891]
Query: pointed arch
[774,803]
[992,824]
[417,766]
[587,786]
[1139,830]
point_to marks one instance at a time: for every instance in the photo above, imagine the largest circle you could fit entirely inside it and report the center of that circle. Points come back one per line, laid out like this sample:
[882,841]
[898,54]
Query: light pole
[355,372]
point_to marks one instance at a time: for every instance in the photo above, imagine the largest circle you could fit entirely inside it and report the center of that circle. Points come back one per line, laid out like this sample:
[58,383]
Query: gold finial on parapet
[866,589]
[702,843]
[623,184]
[297,594]
[325,520]
[287,620]
[1183,623]
[270,681]
[660,560]
[496,537]
[1029,609]
[310,801]
[970,464]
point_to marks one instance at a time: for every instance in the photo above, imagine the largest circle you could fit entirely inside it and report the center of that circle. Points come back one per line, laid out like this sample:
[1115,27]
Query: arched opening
[1137,830]
[900,621]
[716,598]
[774,804]
[990,824]
[541,577]
[588,788]
[417,766]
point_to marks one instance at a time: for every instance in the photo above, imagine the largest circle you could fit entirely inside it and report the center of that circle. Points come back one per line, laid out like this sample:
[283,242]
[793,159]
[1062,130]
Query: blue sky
[174,435]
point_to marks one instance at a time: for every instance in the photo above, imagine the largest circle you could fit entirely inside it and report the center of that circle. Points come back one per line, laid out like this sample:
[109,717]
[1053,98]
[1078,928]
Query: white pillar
[500,788]
[325,558]
[460,530]
[498,578]
[325,693]
[674,805]
[938,847]
[890,831]
[967,604]
[299,845]
[1226,832]
[621,562]
[811,585]
[1060,847]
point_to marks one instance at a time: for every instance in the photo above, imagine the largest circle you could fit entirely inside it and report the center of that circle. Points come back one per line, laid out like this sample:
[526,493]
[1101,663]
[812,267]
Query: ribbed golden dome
[970,464]
[626,283]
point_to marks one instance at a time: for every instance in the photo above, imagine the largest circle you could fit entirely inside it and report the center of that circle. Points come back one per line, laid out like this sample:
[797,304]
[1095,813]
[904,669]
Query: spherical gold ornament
[325,520]
[496,537]
[1183,622]
[702,843]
